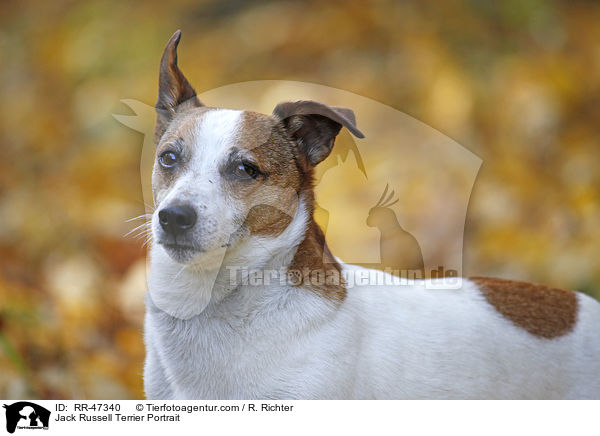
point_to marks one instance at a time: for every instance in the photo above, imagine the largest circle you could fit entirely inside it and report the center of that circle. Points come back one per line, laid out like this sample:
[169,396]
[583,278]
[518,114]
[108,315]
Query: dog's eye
[246,170]
[168,159]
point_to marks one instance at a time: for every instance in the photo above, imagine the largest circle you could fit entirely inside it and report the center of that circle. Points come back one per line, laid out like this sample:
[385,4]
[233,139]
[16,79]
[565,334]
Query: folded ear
[314,126]
[174,91]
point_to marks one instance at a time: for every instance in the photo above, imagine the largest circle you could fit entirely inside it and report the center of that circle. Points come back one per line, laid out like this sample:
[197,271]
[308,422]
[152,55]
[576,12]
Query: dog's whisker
[147,241]
[136,229]
[143,234]
[142,237]
[145,216]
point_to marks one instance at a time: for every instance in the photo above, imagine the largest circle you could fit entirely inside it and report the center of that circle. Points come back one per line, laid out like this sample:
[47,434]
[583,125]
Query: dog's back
[440,343]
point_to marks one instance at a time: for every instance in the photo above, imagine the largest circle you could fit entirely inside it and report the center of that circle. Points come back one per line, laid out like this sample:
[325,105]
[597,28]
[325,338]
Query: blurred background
[515,82]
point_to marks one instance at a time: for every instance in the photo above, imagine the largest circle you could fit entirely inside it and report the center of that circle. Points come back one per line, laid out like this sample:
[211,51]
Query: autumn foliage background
[516,82]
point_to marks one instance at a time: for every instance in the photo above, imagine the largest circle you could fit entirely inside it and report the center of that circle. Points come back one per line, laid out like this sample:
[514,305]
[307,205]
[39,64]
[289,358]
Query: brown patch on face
[273,203]
[267,220]
[541,310]
[271,199]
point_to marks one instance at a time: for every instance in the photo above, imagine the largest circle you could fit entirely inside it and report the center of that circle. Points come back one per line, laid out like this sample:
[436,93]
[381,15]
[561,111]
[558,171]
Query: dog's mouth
[181,252]
[175,246]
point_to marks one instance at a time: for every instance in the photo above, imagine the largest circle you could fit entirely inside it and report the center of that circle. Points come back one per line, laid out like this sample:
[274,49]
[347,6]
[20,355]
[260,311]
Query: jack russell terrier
[234,192]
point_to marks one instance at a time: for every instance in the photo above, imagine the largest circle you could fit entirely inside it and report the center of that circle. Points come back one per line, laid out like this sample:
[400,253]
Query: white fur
[214,134]
[184,291]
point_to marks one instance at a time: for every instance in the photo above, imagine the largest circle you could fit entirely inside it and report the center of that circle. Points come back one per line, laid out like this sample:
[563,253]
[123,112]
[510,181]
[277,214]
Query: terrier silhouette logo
[399,250]
[26,415]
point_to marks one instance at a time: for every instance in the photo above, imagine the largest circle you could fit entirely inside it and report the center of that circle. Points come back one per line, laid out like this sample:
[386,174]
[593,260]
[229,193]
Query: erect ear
[314,126]
[174,91]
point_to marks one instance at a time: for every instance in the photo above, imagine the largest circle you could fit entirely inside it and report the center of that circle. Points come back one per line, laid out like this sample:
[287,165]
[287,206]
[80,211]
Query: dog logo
[26,415]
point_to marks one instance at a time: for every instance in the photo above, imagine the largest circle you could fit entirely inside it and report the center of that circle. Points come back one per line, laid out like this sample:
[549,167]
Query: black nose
[175,220]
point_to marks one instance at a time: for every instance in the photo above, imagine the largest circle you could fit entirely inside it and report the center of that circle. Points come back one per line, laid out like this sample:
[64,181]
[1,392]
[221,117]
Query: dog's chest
[210,359]
[272,355]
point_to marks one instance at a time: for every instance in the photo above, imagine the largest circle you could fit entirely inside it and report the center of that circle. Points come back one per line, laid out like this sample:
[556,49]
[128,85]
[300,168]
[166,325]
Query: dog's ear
[174,91]
[314,126]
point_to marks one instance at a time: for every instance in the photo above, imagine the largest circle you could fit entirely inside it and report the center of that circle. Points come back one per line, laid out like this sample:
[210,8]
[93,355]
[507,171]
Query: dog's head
[225,176]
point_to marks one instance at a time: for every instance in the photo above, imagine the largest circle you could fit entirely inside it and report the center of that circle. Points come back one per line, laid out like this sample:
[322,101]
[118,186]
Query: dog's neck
[318,268]
[299,257]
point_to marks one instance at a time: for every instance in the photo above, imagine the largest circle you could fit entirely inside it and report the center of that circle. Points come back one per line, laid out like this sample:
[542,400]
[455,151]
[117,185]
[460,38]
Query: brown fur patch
[313,256]
[289,178]
[316,267]
[272,199]
[541,310]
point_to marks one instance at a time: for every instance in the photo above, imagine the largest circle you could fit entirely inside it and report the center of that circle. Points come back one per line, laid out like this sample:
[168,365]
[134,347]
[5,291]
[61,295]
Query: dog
[234,193]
